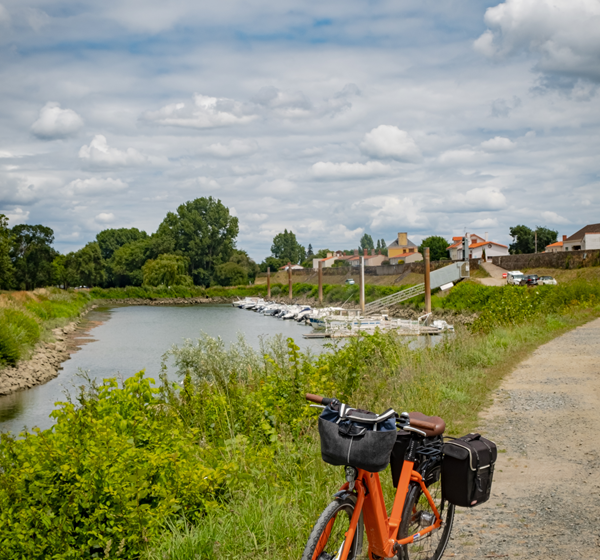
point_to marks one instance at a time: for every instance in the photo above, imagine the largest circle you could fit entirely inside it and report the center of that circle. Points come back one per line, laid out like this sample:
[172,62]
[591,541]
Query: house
[403,249]
[293,267]
[585,239]
[477,246]
[331,258]
[557,247]
[370,260]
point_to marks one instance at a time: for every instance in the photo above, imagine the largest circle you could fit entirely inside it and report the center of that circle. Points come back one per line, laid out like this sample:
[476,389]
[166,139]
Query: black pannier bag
[398,455]
[468,469]
[359,438]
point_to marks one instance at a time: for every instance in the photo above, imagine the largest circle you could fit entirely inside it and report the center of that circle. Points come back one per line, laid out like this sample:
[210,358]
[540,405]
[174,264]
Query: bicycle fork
[381,530]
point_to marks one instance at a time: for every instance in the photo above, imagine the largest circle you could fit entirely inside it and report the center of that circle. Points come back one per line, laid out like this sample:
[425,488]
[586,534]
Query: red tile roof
[557,244]
[475,245]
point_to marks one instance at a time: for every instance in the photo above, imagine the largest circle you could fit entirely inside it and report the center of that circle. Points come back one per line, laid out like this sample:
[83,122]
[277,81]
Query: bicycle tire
[327,535]
[418,514]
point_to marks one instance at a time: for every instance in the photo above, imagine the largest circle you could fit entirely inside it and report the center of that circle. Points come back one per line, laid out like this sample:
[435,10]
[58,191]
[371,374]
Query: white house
[477,246]
[585,239]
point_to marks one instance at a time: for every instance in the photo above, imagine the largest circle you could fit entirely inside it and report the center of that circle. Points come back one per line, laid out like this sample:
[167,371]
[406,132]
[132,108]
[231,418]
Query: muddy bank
[45,362]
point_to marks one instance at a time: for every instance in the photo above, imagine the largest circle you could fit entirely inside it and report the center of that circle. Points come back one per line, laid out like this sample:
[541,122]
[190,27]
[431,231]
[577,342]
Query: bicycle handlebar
[413,422]
[317,399]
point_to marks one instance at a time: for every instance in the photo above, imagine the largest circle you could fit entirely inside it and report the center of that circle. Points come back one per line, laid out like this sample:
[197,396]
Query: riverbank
[236,445]
[45,361]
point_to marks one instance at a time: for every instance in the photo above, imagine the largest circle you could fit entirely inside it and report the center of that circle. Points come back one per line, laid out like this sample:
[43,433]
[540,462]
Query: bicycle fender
[343,494]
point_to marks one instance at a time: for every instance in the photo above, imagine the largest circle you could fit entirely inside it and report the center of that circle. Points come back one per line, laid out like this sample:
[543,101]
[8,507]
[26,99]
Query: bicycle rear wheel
[418,514]
[327,537]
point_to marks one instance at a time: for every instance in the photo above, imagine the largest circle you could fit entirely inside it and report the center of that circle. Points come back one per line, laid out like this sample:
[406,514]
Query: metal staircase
[437,278]
[398,297]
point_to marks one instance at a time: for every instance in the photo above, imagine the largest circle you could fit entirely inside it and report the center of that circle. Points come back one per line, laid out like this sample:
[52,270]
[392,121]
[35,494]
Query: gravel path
[546,495]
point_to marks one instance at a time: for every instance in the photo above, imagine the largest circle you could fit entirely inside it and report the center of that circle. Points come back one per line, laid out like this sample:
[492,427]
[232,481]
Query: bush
[17,332]
[102,482]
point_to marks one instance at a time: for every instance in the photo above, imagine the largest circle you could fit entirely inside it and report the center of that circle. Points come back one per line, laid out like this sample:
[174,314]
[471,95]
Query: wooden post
[362,285]
[269,282]
[427,283]
[290,279]
[321,282]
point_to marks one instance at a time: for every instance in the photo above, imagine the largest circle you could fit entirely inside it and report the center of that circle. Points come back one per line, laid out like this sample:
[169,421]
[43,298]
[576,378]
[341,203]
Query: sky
[331,119]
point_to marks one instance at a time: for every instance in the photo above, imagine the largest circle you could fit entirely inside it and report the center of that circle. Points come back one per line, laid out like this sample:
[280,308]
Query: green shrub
[103,481]
[17,332]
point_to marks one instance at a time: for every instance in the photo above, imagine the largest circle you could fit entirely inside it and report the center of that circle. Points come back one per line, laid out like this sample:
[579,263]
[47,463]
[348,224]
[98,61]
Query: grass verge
[28,317]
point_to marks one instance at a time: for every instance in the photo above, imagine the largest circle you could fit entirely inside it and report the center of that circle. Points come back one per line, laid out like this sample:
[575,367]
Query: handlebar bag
[468,469]
[357,437]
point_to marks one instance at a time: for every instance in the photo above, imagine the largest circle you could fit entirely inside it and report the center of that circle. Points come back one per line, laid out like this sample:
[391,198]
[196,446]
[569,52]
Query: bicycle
[420,522]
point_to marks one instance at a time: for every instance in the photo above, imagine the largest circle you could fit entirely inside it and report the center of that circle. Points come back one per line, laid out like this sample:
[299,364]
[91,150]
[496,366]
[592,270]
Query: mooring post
[427,283]
[362,285]
[321,282]
[290,279]
[269,282]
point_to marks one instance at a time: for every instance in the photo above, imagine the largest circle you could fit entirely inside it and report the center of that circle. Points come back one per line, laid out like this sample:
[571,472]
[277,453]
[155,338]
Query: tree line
[193,246]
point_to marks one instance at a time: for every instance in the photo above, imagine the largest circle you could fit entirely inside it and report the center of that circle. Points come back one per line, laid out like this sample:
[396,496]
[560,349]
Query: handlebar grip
[421,424]
[317,399]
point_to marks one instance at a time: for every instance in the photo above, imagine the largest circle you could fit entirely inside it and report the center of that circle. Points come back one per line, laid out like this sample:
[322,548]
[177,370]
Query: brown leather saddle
[435,427]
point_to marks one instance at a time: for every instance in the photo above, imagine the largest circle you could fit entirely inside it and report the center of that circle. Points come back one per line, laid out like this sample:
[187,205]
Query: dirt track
[546,495]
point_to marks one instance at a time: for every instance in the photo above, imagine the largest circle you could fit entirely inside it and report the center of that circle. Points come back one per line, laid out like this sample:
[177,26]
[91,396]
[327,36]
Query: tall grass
[277,501]
[23,321]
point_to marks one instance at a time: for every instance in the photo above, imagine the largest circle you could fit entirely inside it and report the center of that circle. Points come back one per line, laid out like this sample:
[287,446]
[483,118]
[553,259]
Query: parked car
[514,277]
[548,280]
[530,280]
[350,282]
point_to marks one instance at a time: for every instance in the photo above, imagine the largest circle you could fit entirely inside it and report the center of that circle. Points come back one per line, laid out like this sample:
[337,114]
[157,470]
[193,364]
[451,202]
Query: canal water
[124,340]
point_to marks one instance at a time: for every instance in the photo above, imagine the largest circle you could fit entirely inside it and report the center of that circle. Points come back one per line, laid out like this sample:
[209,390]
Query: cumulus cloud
[460,157]
[389,142]
[100,154]
[95,186]
[289,104]
[54,122]
[105,217]
[234,148]
[498,144]
[554,218]
[482,198]
[345,170]
[484,223]
[204,112]
[277,187]
[390,211]
[16,216]
[562,35]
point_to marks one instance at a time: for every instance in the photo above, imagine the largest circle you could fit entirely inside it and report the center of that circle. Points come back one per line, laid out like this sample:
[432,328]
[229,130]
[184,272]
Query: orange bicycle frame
[381,529]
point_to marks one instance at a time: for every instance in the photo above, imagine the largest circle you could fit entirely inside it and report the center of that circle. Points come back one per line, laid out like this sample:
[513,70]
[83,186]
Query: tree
[167,270]
[6,267]
[287,249]
[231,274]
[524,239]
[241,258]
[127,261]
[63,271]
[203,231]
[109,240]
[32,255]
[438,248]
[366,242]
[273,263]
[89,265]
[309,251]
[384,250]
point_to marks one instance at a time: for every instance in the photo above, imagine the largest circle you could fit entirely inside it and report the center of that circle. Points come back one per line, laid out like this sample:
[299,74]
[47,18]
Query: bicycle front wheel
[327,538]
[418,514]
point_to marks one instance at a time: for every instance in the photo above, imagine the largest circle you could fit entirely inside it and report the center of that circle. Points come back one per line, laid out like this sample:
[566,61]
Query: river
[124,340]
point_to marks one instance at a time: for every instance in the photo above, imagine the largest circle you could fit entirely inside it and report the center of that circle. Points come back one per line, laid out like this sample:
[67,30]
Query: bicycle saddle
[440,425]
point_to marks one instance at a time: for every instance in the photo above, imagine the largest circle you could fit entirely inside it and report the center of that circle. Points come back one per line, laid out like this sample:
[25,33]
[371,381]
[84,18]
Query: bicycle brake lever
[317,406]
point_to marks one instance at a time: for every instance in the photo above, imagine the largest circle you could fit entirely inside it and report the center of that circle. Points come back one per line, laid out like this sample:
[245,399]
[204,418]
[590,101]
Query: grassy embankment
[28,317]
[228,466]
